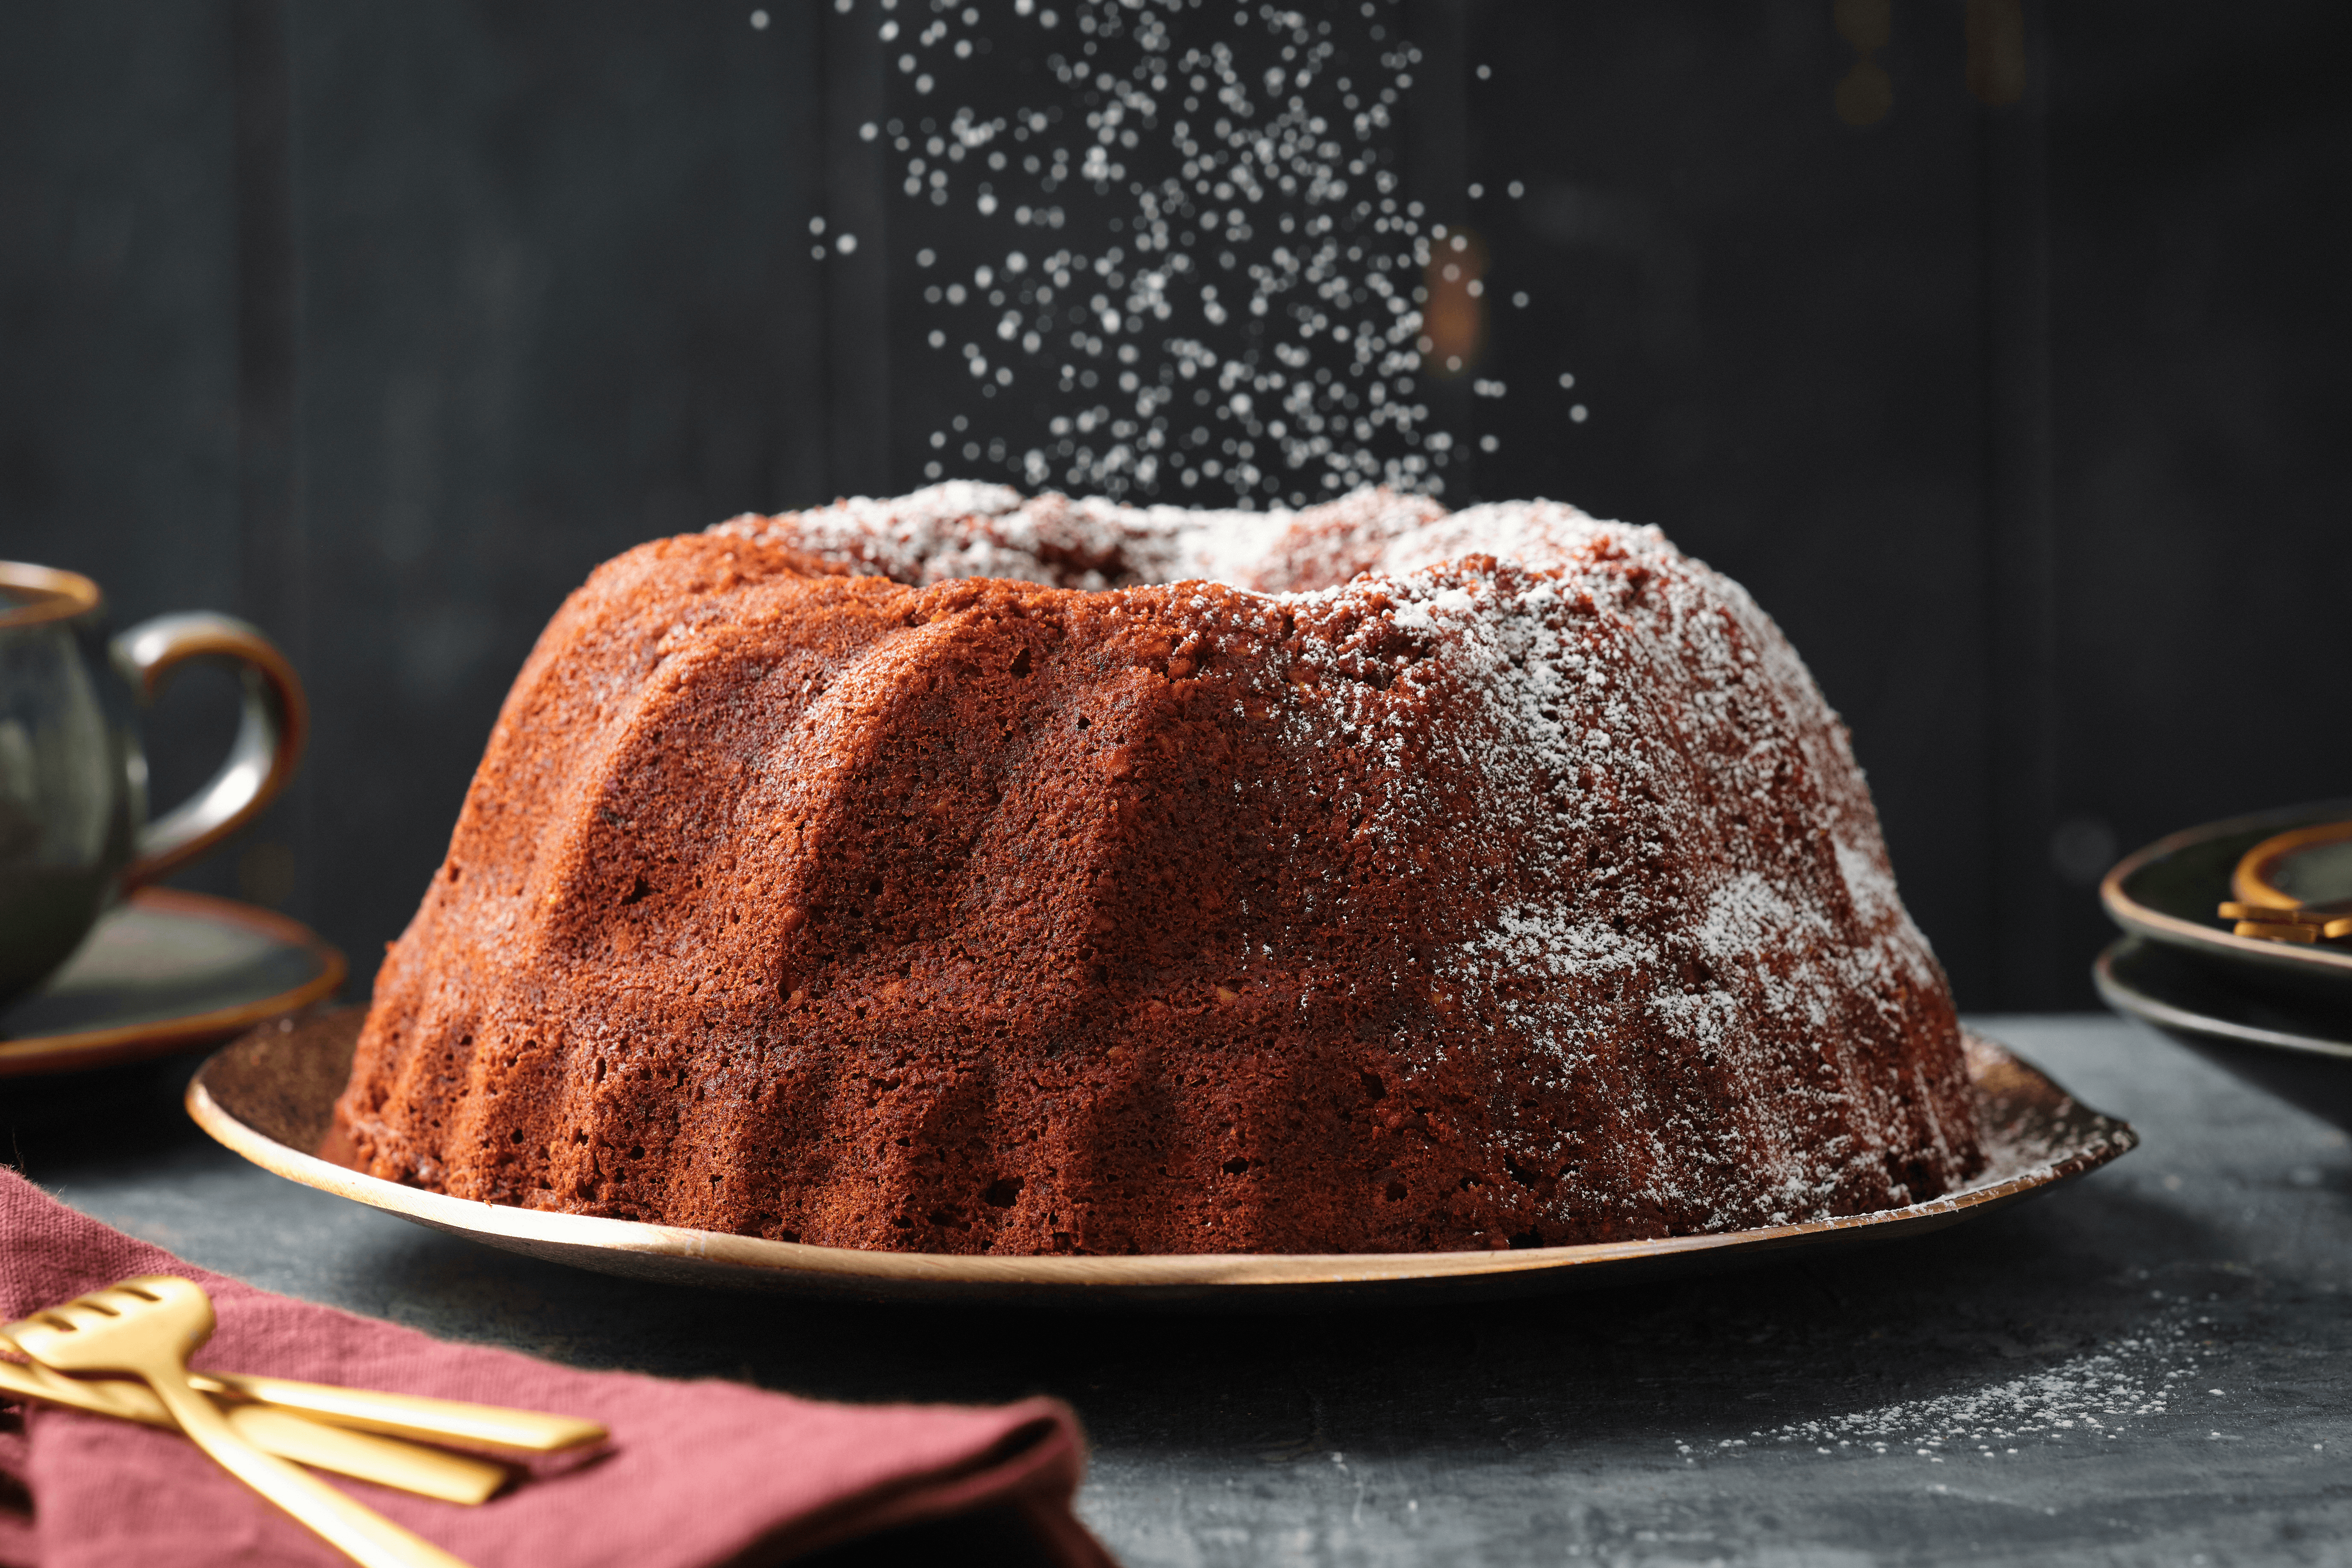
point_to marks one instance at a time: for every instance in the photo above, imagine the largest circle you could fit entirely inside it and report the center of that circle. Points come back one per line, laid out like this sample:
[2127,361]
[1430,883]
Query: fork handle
[409,1415]
[359,1532]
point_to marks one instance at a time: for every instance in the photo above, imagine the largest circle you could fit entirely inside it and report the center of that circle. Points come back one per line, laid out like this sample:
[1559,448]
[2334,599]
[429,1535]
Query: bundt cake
[963,873]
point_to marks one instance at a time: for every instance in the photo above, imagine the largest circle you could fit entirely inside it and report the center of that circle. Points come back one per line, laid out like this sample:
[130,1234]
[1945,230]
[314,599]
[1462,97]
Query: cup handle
[270,736]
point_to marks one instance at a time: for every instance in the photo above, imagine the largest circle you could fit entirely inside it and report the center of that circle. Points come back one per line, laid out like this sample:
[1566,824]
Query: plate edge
[2123,999]
[781,1260]
[95,1047]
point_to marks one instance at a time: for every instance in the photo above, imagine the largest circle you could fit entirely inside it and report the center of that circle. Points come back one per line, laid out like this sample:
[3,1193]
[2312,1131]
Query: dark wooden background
[381,321]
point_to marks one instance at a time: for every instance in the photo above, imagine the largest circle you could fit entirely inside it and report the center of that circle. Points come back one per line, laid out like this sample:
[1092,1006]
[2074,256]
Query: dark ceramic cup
[73,833]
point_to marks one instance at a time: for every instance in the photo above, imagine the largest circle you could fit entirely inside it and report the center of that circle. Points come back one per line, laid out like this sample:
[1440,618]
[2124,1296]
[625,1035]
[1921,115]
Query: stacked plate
[2276,1013]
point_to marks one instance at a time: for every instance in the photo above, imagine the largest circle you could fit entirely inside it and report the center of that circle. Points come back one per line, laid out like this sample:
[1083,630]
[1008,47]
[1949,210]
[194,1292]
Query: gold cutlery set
[123,1350]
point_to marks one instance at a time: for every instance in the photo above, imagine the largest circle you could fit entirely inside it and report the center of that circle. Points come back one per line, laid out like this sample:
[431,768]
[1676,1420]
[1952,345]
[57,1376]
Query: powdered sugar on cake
[1597,692]
[965,529]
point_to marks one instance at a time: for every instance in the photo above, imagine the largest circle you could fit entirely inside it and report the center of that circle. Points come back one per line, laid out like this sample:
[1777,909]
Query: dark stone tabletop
[2147,1366]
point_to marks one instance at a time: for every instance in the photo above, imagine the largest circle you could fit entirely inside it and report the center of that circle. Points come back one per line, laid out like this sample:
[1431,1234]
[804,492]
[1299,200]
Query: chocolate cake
[963,873]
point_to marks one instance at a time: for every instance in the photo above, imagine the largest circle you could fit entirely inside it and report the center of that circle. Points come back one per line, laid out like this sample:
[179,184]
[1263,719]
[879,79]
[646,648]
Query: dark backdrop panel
[2200,254]
[382,324]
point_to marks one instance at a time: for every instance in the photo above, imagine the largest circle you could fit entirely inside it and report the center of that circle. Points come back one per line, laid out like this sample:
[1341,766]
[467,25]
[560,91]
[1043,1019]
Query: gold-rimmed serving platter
[269,1096]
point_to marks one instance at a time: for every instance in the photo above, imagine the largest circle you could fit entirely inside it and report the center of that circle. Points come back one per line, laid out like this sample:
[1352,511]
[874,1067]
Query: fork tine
[72,1317]
[67,1317]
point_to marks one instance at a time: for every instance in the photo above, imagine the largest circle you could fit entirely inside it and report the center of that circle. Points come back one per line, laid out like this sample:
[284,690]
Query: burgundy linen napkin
[695,1474]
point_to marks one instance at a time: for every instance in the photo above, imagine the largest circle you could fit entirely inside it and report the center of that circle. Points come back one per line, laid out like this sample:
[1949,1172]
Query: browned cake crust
[1494,901]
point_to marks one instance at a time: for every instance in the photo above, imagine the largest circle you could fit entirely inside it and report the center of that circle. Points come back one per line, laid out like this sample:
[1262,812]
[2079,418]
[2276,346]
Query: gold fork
[148,1326]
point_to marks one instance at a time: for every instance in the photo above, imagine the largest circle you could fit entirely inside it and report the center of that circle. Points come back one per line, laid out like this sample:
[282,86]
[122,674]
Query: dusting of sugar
[2090,1395]
[1869,886]
[966,529]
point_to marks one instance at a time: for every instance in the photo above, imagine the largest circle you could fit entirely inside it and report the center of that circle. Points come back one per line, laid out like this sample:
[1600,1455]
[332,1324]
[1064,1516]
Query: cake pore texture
[966,874]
